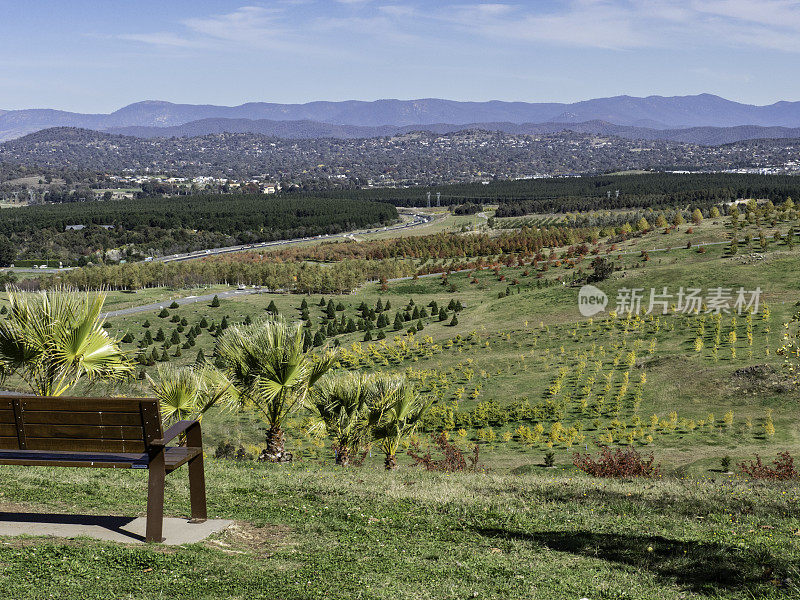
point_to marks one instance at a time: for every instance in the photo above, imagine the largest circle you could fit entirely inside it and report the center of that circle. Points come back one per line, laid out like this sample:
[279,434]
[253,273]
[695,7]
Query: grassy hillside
[644,382]
[308,531]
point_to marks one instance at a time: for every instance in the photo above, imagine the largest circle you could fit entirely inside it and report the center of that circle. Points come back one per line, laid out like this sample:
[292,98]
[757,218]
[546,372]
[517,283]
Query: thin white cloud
[162,38]
[621,25]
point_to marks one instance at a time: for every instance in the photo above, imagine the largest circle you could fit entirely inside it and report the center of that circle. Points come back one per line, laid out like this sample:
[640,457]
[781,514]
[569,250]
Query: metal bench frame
[118,433]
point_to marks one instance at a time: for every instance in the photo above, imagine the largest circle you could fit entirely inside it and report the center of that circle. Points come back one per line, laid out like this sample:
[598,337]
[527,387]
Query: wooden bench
[117,433]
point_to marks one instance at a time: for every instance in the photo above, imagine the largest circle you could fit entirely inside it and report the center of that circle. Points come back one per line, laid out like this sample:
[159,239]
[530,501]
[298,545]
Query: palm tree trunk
[276,446]
[390,462]
[343,457]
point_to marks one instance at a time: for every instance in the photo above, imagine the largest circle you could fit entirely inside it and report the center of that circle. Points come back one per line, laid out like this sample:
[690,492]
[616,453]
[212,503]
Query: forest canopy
[179,224]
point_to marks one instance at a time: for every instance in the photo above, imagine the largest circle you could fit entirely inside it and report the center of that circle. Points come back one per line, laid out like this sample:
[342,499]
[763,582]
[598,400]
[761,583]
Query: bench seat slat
[87,432]
[7,416]
[83,445]
[11,443]
[174,458]
[71,405]
[49,417]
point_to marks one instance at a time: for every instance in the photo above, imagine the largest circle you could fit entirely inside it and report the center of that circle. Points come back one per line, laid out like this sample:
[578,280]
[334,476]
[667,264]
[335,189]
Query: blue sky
[99,55]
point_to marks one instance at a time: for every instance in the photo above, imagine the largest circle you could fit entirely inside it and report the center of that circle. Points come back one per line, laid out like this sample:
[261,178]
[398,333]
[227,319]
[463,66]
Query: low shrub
[617,463]
[782,468]
[452,458]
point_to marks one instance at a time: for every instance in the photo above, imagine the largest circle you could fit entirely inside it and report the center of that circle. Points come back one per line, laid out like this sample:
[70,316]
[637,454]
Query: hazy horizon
[379,99]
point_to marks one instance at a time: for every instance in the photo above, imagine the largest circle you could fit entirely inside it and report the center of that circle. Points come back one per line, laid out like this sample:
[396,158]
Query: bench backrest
[78,424]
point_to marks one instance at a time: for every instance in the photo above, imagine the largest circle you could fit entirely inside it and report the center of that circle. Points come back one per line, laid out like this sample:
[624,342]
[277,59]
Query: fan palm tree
[397,409]
[53,339]
[339,408]
[271,372]
[188,392]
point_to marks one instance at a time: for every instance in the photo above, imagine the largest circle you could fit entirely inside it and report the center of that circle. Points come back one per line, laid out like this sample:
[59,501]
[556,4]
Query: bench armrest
[174,431]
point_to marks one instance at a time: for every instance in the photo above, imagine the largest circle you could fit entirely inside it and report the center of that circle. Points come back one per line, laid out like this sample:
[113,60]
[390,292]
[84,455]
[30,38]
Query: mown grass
[316,531]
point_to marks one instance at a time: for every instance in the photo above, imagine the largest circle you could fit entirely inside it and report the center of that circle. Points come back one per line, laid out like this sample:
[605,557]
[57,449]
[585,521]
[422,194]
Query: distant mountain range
[704,118]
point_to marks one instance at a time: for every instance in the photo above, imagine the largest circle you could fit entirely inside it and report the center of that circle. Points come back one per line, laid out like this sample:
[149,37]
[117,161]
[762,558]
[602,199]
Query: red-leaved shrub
[782,468]
[617,463]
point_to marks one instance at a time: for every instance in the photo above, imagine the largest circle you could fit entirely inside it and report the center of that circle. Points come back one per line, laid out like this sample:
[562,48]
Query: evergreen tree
[146,323]
[454,321]
[419,325]
[381,335]
[127,338]
[379,306]
[398,322]
[304,305]
[159,335]
[224,323]
[215,302]
[201,357]
[272,309]
[174,305]
[164,313]
[319,338]
[442,314]
[175,338]
[248,320]
[368,336]
[203,323]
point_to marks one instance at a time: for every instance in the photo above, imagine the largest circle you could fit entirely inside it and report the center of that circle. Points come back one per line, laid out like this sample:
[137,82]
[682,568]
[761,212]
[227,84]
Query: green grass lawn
[317,531]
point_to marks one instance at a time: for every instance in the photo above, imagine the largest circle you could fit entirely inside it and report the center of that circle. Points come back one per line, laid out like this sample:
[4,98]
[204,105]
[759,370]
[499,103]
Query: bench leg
[197,477]
[155,498]
[197,489]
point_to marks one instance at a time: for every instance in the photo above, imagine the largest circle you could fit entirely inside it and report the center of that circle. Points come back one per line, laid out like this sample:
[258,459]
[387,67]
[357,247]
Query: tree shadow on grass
[701,567]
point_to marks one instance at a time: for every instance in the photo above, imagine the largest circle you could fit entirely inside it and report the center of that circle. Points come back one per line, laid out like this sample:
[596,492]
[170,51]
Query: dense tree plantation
[563,194]
[339,278]
[156,225]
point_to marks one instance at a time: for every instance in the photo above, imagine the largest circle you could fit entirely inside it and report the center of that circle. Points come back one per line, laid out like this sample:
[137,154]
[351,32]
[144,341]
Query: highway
[416,220]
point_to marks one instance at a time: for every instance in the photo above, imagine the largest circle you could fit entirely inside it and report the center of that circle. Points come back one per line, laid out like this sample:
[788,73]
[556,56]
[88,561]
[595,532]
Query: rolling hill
[652,112]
